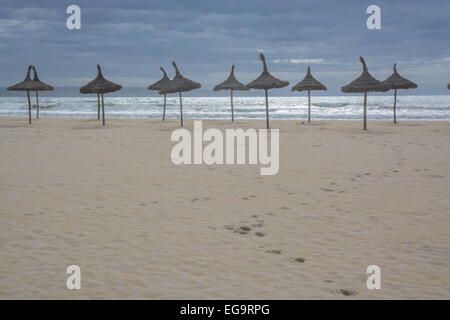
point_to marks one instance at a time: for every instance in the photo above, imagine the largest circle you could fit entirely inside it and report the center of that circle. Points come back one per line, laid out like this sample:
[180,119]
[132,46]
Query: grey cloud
[132,39]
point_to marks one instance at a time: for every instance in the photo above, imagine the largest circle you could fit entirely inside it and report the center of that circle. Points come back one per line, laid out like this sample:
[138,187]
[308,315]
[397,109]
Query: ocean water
[293,107]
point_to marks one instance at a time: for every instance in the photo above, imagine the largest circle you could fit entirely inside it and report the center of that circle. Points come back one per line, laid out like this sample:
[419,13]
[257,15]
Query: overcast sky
[132,39]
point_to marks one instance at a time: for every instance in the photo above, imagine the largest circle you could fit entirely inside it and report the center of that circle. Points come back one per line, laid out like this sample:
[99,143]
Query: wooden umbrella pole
[29,107]
[395,105]
[103,109]
[37,104]
[365,111]
[232,110]
[164,112]
[309,106]
[181,109]
[267,109]
[98,106]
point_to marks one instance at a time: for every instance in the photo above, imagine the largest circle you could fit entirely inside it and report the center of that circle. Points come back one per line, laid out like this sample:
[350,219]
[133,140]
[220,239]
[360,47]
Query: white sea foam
[323,107]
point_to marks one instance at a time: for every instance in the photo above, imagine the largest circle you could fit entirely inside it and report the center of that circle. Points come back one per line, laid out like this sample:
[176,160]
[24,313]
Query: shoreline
[237,119]
[409,108]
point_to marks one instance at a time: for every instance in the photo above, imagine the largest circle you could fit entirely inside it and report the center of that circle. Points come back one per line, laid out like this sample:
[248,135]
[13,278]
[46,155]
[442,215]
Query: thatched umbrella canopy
[396,81]
[180,84]
[309,83]
[363,84]
[232,84]
[159,85]
[100,86]
[26,85]
[39,86]
[266,81]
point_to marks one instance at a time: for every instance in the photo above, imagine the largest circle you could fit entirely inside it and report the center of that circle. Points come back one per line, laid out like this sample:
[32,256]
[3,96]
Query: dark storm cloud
[133,38]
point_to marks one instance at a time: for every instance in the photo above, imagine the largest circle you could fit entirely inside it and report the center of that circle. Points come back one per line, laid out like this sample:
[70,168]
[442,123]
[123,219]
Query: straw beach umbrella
[396,81]
[86,91]
[266,81]
[363,84]
[39,86]
[159,85]
[232,84]
[100,86]
[25,85]
[180,84]
[309,83]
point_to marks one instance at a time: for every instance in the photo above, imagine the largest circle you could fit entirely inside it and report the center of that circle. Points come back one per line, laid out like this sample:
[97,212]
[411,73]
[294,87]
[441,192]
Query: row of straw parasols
[265,81]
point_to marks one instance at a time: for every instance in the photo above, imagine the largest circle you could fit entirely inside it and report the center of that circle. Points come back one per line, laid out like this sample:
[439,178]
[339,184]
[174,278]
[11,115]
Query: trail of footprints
[256,228]
[360,179]
[244,229]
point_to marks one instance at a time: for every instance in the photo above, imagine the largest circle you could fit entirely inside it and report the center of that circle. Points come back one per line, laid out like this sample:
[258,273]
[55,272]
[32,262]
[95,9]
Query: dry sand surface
[111,201]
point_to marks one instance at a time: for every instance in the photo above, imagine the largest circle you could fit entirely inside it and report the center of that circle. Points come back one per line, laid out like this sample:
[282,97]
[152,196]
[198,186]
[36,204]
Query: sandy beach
[110,200]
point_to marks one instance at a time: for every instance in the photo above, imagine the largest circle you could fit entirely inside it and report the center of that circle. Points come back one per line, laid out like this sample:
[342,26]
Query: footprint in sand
[299,260]
[258,225]
[245,229]
[347,292]
[240,230]
[277,251]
